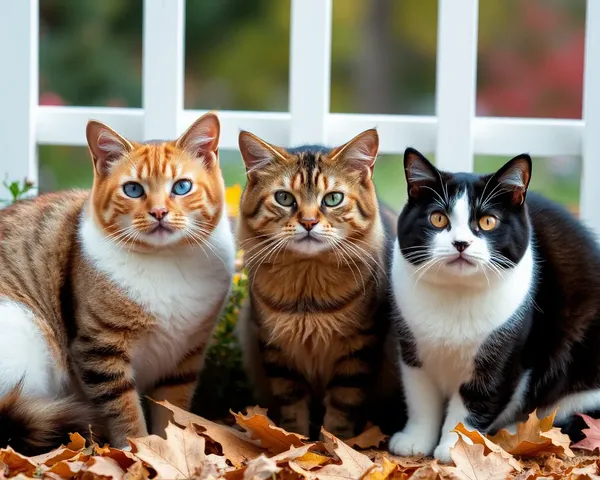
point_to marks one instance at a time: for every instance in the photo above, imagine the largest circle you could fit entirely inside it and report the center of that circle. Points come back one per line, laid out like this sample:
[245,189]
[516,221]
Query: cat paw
[442,452]
[406,444]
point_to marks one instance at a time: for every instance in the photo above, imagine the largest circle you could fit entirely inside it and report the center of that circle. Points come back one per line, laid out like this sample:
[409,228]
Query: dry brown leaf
[123,458]
[181,455]
[472,464]
[17,463]
[592,435]
[77,442]
[237,447]
[383,470]
[137,471]
[100,468]
[476,437]
[370,438]
[271,437]
[534,437]
[66,468]
[261,468]
[353,464]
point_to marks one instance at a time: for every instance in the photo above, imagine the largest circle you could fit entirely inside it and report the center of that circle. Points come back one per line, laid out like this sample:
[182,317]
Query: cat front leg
[177,388]
[456,413]
[425,406]
[103,364]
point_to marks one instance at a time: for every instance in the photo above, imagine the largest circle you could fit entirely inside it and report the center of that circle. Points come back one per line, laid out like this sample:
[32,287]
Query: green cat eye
[284,198]
[333,199]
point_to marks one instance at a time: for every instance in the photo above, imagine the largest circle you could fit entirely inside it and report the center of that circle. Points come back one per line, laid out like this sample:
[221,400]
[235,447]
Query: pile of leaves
[196,448]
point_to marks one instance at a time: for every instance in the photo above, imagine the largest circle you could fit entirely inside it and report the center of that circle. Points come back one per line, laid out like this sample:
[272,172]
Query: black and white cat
[498,299]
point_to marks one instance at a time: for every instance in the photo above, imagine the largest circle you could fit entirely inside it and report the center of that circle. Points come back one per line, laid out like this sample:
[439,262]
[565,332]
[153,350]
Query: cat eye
[285,198]
[488,222]
[181,187]
[333,199]
[439,220]
[133,189]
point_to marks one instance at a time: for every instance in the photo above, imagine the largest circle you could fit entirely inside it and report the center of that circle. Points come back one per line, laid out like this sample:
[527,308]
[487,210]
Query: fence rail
[455,134]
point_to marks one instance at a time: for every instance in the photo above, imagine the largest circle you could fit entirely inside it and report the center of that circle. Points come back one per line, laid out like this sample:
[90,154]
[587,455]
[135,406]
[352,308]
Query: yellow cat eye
[488,222]
[439,220]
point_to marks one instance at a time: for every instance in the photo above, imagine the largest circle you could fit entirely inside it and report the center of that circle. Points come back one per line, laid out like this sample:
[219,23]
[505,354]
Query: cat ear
[257,153]
[360,152]
[419,172]
[515,177]
[106,145]
[201,139]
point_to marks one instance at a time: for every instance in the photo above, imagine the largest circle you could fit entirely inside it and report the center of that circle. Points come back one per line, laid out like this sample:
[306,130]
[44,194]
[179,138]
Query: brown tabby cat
[315,249]
[108,294]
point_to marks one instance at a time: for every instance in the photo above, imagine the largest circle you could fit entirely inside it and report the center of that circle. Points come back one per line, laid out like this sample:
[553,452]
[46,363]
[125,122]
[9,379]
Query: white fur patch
[580,402]
[179,287]
[25,354]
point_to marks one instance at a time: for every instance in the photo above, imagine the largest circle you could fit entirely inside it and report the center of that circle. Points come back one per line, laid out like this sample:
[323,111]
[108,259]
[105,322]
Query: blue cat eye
[181,187]
[133,189]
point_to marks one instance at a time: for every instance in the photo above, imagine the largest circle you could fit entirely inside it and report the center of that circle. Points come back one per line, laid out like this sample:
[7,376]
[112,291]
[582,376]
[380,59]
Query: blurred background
[383,61]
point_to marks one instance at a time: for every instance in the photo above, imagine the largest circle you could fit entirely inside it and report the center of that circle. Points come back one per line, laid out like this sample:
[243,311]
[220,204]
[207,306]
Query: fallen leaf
[77,442]
[237,446]
[477,438]
[383,470]
[66,469]
[17,463]
[137,471]
[181,455]
[100,468]
[592,435]
[353,464]
[534,437]
[59,455]
[370,438]
[472,464]
[261,468]
[271,437]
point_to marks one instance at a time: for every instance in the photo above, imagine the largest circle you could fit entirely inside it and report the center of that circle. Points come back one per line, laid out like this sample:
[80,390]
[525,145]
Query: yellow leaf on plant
[233,196]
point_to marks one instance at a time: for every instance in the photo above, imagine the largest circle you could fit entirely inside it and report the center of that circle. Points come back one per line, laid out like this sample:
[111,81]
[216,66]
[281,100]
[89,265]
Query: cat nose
[308,223]
[461,246]
[159,212]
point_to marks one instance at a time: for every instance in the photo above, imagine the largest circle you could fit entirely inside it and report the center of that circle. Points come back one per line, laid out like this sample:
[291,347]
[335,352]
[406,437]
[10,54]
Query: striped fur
[313,331]
[110,306]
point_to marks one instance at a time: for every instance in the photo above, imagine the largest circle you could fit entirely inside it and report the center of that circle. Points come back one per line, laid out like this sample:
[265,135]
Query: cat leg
[103,363]
[456,413]
[177,389]
[587,402]
[346,394]
[425,406]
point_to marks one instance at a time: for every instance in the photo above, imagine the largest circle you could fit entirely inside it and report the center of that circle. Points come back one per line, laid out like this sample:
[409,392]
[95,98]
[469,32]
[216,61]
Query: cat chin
[161,239]
[308,248]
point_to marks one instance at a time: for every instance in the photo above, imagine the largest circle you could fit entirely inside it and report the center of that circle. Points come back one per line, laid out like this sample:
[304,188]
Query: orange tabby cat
[315,246]
[109,294]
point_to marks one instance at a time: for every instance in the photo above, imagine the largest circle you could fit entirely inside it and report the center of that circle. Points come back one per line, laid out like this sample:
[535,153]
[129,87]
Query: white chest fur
[450,323]
[179,288]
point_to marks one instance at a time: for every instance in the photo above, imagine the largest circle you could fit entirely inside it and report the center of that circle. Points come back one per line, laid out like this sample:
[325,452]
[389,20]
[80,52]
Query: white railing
[455,134]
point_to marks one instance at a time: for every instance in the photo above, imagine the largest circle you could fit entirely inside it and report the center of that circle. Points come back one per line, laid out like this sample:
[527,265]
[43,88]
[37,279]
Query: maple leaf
[237,446]
[534,437]
[477,438]
[370,438]
[592,435]
[472,464]
[353,464]
[181,455]
[16,463]
[261,468]
[383,470]
[66,468]
[270,436]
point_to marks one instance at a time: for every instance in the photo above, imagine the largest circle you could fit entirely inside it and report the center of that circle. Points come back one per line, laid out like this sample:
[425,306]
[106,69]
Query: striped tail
[32,426]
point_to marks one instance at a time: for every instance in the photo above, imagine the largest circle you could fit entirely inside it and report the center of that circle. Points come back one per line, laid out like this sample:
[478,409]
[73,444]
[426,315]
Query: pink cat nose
[159,212]
[308,223]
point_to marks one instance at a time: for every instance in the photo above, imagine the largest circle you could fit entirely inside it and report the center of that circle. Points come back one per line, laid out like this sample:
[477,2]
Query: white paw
[442,452]
[406,444]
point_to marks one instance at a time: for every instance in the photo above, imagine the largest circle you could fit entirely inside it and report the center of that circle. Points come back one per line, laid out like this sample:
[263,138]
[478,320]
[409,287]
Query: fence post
[590,193]
[163,68]
[18,90]
[456,83]
[310,70]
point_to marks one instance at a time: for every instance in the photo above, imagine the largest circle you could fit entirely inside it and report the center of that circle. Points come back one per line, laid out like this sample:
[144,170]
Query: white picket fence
[455,134]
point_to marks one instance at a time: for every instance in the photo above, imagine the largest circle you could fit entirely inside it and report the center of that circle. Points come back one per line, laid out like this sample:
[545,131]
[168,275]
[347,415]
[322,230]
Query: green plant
[17,189]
